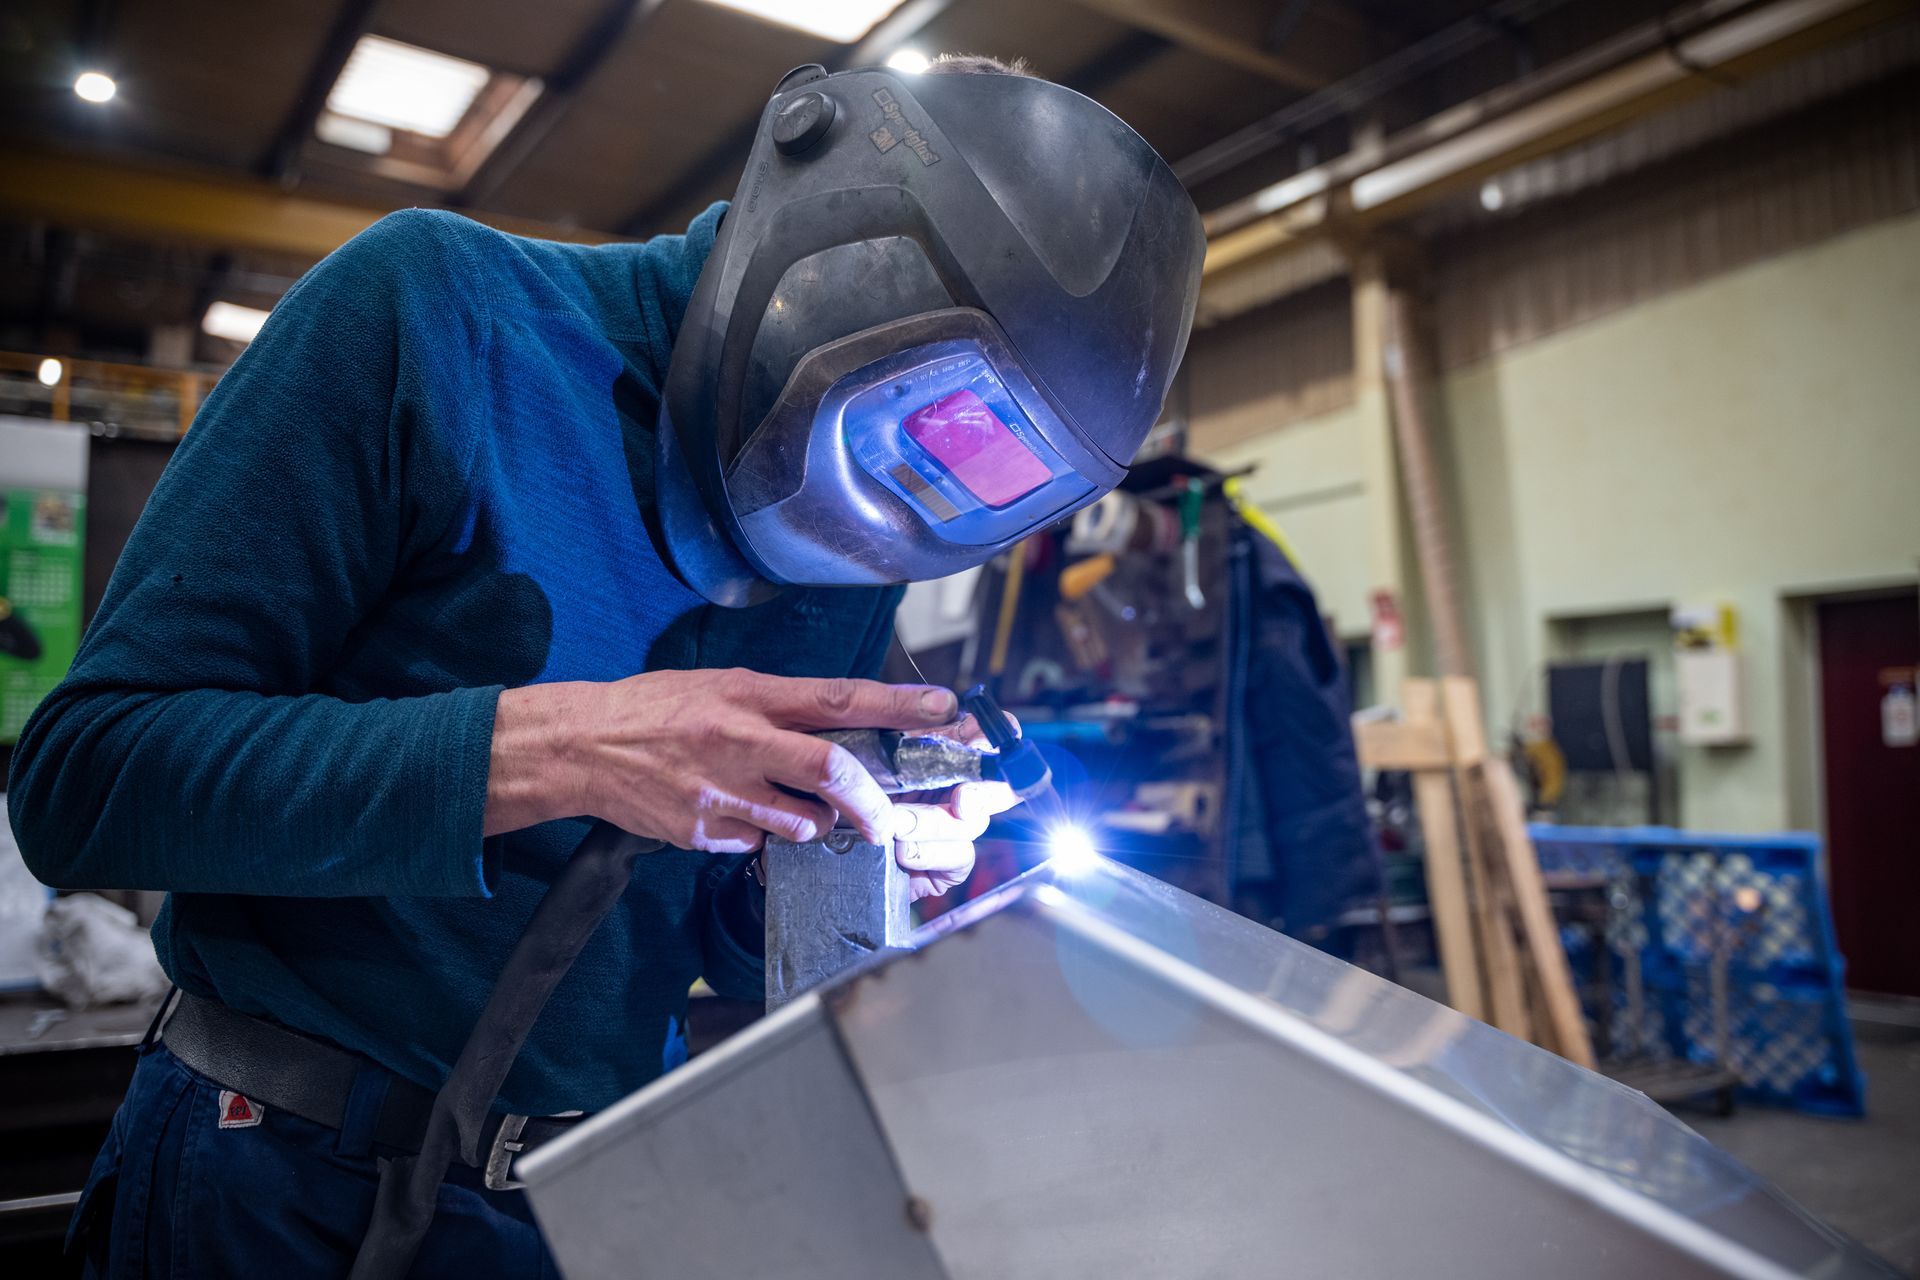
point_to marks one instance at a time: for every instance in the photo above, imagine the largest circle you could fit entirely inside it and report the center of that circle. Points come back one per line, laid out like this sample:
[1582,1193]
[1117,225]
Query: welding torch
[904,762]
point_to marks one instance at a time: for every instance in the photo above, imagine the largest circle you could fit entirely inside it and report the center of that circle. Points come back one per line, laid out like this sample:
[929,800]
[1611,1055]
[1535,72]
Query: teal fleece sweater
[429,478]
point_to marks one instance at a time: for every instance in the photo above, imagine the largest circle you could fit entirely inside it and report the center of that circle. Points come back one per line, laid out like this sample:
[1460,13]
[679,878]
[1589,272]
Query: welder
[486,538]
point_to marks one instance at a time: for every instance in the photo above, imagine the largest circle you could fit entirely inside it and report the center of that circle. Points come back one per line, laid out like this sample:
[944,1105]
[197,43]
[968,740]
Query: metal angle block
[830,904]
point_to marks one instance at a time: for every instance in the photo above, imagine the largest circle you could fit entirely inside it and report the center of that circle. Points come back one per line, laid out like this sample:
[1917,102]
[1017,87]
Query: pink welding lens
[972,443]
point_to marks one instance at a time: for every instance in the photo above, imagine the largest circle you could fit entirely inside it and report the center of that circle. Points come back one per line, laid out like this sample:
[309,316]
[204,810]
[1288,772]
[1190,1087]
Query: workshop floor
[1863,1176]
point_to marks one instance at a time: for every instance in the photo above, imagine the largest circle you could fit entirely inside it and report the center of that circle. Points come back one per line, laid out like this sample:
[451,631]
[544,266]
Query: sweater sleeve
[188,748]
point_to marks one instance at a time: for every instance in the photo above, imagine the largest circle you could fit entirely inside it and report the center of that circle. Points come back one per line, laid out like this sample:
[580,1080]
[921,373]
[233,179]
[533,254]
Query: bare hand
[700,758]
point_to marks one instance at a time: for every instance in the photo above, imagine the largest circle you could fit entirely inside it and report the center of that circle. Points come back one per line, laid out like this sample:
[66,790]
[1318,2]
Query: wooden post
[1386,567]
[1494,930]
[1401,365]
[1446,879]
[1542,936]
[1505,994]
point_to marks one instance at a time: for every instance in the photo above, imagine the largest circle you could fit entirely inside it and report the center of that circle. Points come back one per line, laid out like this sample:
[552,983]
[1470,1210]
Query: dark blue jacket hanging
[1304,836]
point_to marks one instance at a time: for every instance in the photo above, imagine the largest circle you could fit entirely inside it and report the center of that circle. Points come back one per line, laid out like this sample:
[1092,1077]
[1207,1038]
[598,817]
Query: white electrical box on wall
[1713,705]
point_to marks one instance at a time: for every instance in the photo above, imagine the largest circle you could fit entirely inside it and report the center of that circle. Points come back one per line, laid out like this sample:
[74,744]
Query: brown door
[1869,652]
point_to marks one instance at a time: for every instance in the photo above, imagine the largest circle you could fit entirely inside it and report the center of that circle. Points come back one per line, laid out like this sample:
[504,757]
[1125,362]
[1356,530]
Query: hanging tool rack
[1115,638]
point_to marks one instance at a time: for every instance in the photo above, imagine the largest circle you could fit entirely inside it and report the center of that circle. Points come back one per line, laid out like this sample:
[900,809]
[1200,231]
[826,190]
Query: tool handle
[1077,580]
[1018,763]
[1192,496]
[994,723]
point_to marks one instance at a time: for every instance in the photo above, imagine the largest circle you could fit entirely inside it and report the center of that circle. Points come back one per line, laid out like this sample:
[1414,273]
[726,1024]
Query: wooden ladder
[1494,930]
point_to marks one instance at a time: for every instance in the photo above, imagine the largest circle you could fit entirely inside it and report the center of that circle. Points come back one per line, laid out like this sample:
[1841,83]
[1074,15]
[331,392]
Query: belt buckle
[506,1145]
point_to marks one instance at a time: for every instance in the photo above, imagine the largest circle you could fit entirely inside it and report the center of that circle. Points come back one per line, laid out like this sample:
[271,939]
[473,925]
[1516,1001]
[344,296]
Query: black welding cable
[587,888]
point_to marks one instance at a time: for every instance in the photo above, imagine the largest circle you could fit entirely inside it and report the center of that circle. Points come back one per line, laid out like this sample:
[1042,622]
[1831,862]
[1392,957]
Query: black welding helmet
[942,312]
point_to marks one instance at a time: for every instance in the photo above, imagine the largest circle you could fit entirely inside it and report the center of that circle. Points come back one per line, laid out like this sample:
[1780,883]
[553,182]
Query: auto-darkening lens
[966,437]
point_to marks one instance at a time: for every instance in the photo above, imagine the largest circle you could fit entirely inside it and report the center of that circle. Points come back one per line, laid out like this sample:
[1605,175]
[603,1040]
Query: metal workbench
[62,1075]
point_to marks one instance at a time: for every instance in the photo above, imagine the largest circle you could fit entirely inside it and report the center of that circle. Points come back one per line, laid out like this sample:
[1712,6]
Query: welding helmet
[941,313]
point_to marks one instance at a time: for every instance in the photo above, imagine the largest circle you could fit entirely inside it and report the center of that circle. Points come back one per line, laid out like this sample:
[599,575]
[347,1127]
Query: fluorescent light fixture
[95,86]
[233,322]
[50,372]
[1491,196]
[404,87]
[910,61]
[842,21]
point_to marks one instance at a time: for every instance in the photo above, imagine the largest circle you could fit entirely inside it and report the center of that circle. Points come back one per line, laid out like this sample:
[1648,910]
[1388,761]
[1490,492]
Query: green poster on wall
[42,555]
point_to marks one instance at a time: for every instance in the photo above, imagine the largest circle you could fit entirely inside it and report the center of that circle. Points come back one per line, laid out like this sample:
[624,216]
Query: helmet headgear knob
[802,122]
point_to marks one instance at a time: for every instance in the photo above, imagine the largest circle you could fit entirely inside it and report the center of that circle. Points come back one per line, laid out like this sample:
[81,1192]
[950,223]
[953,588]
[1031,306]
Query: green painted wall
[1753,439]
[1311,480]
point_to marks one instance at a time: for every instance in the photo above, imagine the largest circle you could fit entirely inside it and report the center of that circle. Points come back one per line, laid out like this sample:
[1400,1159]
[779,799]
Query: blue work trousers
[175,1193]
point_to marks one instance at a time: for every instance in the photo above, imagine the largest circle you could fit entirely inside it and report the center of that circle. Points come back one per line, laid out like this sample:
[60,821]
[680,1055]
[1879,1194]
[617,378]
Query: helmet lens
[940,427]
[961,434]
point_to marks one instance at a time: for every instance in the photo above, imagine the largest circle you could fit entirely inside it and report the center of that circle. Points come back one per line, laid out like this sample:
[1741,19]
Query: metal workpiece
[829,1206]
[1091,1074]
[830,904]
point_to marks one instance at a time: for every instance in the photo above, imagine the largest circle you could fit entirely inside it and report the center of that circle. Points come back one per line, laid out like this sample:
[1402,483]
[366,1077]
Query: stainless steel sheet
[1097,1075]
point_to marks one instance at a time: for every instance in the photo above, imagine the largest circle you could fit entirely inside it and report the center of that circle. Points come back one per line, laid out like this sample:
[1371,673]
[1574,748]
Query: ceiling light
[1492,197]
[911,61]
[95,86]
[404,87]
[233,322]
[355,135]
[842,21]
[50,372]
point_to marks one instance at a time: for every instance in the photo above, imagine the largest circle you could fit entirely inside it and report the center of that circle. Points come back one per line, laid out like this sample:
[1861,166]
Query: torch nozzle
[1017,762]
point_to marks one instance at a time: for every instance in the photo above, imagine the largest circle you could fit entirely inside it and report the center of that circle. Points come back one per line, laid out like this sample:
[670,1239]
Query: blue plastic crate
[1787,1022]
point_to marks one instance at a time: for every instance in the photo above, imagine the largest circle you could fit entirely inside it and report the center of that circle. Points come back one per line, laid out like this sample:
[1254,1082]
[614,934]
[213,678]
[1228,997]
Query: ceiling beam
[281,159]
[587,54]
[1318,43]
[1358,97]
[190,207]
[1468,144]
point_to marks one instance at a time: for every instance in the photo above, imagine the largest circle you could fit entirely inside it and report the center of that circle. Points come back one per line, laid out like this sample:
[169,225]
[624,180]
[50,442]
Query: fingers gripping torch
[829,903]
[833,901]
[902,762]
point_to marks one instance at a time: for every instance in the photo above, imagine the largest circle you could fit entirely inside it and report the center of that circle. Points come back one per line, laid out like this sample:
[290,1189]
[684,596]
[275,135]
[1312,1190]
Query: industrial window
[419,116]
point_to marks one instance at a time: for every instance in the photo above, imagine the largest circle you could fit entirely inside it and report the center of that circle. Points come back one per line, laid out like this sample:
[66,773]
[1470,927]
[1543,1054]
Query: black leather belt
[313,1080]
